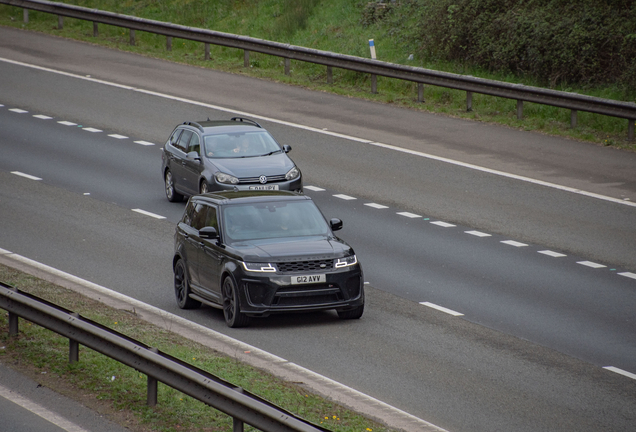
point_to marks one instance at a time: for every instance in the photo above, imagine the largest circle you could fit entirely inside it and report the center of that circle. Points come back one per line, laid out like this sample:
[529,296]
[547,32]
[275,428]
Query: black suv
[224,155]
[257,253]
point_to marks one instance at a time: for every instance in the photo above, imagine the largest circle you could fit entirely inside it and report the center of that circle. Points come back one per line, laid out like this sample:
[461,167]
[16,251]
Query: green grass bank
[452,36]
[119,392]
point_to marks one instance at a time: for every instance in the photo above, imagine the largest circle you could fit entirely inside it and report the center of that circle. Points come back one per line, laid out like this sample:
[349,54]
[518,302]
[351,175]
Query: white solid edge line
[39,410]
[442,309]
[334,134]
[21,174]
[621,371]
[219,336]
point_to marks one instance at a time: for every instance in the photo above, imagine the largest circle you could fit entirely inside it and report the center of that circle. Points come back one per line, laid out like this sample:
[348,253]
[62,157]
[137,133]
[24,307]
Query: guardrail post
[287,65]
[73,351]
[469,101]
[246,58]
[168,43]
[153,385]
[132,37]
[13,324]
[25,15]
[329,75]
[420,92]
[573,114]
[207,51]
[152,391]
[630,129]
[519,109]
[95,29]
[60,22]
[237,425]
[374,84]
[73,346]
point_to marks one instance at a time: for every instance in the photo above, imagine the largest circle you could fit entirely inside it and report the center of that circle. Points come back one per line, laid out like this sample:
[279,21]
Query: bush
[556,42]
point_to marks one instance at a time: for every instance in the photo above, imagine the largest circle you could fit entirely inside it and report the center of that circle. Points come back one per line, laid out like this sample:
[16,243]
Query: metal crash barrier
[572,101]
[241,405]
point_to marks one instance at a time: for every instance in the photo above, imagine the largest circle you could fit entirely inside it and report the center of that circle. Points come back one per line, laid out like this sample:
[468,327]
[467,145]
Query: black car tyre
[354,313]
[171,194]
[203,188]
[231,306]
[182,287]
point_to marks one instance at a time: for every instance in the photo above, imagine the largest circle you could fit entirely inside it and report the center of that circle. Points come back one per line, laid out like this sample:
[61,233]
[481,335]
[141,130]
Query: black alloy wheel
[231,306]
[182,287]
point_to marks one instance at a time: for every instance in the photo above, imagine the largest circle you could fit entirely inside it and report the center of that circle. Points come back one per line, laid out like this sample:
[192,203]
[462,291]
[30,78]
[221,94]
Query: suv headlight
[259,267]
[292,173]
[225,178]
[345,262]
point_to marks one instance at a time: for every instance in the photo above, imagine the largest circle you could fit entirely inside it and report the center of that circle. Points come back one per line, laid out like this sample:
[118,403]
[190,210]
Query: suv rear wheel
[171,193]
[182,287]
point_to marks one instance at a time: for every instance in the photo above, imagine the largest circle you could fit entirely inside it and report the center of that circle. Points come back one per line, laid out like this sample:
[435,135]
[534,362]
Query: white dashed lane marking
[90,129]
[21,174]
[591,264]
[376,206]
[442,309]
[552,253]
[18,110]
[478,233]
[117,136]
[67,123]
[628,274]
[314,188]
[443,224]
[514,243]
[409,215]
[147,213]
[345,197]
[144,143]
[42,117]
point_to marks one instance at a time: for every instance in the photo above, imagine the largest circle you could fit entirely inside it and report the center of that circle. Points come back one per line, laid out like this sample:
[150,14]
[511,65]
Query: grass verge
[331,25]
[119,392]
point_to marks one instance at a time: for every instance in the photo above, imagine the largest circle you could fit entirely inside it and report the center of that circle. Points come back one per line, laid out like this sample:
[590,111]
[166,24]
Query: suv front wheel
[231,305]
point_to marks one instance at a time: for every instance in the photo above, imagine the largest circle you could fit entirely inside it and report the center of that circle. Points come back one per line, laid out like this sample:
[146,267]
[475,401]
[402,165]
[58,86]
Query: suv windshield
[273,220]
[240,144]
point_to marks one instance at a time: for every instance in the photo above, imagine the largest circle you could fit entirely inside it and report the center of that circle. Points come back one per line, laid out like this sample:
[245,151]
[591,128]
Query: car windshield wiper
[272,152]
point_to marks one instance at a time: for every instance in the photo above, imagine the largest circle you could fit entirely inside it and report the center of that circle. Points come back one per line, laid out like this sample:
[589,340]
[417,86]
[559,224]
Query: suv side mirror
[286,148]
[335,224]
[193,156]
[208,233]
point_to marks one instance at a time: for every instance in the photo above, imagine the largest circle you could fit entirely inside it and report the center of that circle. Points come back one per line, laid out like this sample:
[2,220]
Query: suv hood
[292,249]
[276,164]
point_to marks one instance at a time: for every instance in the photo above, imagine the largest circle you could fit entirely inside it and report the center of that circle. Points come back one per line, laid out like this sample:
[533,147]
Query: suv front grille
[270,179]
[305,266]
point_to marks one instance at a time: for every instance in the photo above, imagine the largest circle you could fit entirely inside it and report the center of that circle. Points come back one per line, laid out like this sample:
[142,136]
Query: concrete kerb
[277,366]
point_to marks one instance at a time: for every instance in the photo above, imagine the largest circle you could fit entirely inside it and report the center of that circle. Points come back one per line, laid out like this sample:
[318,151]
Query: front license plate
[264,187]
[301,280]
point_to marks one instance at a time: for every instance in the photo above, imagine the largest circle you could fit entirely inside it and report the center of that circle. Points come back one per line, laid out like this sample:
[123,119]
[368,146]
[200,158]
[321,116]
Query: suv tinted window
[199,216]
[184,140]
[195,144]
[175,137]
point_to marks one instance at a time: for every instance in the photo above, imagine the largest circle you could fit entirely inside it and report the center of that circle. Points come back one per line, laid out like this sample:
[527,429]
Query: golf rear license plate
[264,187]
[308,279]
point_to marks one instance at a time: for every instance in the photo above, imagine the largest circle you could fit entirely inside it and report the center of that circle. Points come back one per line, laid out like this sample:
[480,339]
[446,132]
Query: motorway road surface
[541,274]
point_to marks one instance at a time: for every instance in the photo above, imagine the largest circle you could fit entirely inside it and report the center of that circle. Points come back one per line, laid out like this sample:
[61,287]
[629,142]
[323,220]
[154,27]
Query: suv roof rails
[195,124]
[243,119]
